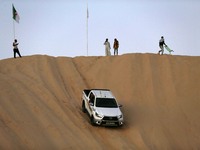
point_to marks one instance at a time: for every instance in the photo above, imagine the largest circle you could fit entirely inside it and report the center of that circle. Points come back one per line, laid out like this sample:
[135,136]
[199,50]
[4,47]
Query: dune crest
[40,102]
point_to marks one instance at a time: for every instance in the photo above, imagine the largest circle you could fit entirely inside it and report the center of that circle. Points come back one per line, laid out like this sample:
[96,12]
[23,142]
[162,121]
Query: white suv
[102,107]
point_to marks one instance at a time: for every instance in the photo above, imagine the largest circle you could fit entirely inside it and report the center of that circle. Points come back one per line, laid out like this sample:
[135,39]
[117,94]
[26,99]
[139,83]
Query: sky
[59,27]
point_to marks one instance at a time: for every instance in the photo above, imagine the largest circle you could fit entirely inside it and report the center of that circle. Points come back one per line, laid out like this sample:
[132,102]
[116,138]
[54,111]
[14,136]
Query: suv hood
[108,111]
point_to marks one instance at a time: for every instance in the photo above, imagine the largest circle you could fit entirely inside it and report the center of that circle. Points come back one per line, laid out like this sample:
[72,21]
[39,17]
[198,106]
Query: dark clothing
[16,51]
[116,44]
[161,43]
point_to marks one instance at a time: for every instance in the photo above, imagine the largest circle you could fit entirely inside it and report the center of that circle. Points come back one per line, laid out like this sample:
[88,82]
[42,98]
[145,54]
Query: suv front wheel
[92,121]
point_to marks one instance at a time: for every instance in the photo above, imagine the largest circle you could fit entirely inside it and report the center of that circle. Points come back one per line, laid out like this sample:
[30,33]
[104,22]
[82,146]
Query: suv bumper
[109,121]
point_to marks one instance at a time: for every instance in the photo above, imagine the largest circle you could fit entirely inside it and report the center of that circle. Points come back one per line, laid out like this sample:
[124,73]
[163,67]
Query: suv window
[91,97]
[106,102]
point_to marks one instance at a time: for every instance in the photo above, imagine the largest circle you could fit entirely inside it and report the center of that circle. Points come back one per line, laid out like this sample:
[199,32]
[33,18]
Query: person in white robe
[107,48]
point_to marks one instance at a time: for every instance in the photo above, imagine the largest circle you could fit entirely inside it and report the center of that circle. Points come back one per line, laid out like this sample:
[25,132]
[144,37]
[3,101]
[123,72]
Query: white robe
[107,48]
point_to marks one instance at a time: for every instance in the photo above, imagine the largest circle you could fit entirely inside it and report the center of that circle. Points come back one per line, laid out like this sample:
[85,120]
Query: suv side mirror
[120,105]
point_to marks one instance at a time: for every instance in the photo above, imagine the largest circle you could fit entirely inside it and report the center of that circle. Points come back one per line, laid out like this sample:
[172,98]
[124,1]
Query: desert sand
[40,102]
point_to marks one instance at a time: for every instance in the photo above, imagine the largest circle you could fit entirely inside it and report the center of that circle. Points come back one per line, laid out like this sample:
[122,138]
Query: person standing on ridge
[107,48]
[116,46]
[15,49]
[161,43]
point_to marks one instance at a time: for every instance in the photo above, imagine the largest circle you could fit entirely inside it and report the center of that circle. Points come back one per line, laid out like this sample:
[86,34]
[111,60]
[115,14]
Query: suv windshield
[106,102]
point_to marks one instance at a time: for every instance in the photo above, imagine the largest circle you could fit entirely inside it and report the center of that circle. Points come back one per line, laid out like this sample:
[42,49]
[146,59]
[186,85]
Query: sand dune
[40,102]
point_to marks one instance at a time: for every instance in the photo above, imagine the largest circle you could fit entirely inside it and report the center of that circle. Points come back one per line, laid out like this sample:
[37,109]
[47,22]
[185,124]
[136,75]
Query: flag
[15,14]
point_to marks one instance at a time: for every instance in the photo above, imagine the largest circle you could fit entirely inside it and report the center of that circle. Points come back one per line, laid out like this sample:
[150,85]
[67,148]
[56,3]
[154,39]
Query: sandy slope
[40,102]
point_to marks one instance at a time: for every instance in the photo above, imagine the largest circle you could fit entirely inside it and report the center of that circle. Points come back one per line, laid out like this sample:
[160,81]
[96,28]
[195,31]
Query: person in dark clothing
[116,46]
[161,43]
[15,49]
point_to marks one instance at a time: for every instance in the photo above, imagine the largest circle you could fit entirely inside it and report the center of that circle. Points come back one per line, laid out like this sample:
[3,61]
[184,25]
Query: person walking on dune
[107,48]
[15,49]
[116,46]
[161,45]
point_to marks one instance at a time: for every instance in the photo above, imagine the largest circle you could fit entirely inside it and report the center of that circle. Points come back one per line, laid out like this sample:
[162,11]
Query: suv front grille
[106,118]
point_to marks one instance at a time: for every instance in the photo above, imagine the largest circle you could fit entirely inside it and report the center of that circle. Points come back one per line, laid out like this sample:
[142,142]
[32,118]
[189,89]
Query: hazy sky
[58,27]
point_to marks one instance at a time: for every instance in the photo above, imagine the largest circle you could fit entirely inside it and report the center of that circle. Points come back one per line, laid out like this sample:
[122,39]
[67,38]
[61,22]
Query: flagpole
[87,29]
[14,29]
[13,22]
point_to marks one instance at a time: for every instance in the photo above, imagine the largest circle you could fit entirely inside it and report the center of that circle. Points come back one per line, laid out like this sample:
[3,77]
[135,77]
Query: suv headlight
[98,115]
[119,117]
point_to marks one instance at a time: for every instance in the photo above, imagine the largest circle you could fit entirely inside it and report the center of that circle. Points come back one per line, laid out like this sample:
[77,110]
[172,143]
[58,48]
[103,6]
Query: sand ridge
[40,102]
